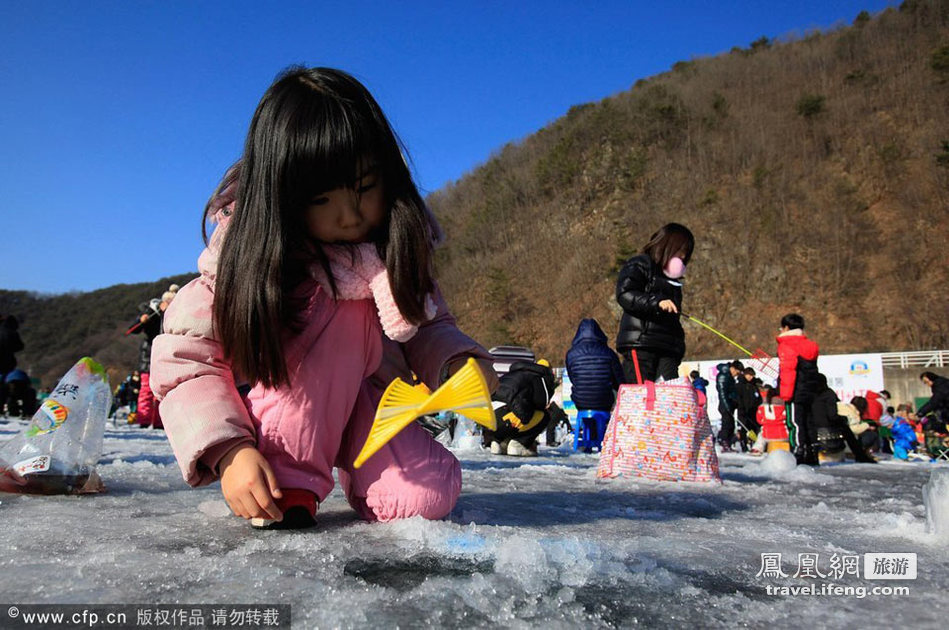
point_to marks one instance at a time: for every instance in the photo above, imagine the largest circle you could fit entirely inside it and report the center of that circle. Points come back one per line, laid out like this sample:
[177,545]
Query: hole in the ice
[405,574]
[618,605]
[720,583]
[547,508]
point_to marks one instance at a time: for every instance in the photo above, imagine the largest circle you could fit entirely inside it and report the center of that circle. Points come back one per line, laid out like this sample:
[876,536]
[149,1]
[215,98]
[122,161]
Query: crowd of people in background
[802,409]
[132,398]
[819,425]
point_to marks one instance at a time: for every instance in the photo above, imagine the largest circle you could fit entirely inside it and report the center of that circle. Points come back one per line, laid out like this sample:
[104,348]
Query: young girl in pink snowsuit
[316,290]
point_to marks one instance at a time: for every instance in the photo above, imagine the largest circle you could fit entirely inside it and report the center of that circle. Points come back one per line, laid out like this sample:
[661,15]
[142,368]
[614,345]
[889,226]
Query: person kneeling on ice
[521,407]
[317,291]
[831,425]
[863,425]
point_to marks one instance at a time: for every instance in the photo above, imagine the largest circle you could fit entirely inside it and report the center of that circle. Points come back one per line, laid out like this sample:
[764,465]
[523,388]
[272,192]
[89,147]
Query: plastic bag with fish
[58,451]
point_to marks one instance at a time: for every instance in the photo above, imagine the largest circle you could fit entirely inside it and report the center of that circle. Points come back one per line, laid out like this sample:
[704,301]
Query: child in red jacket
[798,385]
[772,419]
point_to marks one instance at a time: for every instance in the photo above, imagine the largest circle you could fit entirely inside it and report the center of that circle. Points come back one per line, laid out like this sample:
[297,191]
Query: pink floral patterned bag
[659,431]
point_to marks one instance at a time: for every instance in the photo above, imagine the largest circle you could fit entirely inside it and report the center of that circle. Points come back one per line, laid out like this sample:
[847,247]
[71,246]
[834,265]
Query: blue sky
[118,118]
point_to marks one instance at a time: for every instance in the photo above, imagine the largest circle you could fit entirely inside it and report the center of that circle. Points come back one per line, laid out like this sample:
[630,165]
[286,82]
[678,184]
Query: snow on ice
[533,542]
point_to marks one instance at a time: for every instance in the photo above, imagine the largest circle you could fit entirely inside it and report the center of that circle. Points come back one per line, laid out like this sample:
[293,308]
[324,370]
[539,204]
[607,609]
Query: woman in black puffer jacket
[649,290]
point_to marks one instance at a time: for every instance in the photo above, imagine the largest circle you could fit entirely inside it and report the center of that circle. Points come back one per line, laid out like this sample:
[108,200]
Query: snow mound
[778,462]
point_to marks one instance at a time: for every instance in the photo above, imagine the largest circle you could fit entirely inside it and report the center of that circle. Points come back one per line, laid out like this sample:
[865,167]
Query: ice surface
[533,542]
[936,498]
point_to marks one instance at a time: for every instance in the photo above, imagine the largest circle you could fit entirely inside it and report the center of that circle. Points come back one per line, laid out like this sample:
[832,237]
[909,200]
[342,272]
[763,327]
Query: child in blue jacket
[904,437]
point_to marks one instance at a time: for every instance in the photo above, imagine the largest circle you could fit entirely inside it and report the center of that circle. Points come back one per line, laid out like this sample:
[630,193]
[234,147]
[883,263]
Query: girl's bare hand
[248,484]
[668,306]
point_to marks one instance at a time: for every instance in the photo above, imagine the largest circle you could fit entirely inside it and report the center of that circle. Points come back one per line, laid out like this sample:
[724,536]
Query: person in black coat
[520,407]
[649,290]
[10,344]
[148,324]
[937,408]
[726,387]
[828,424]
[748,401]
[594,369]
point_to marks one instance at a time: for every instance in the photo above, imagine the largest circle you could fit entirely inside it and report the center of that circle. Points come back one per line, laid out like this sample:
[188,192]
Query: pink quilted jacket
[205,416]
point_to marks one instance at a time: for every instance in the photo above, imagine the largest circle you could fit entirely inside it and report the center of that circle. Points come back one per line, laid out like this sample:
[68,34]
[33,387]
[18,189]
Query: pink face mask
[675,268]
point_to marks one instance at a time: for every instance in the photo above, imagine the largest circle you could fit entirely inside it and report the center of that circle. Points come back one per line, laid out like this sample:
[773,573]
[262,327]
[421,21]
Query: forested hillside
[814,173]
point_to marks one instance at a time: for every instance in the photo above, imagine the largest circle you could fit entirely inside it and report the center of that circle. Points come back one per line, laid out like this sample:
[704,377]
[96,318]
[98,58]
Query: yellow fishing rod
[709,328]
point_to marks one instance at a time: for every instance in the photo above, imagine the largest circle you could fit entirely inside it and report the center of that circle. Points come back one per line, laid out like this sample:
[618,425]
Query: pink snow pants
[322,420]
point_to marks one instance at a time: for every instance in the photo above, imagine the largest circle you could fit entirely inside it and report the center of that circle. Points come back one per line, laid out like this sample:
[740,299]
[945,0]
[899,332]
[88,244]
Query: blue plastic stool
[590,429]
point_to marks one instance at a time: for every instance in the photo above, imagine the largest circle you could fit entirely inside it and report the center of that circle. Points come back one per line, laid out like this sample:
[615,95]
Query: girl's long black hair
[312,132]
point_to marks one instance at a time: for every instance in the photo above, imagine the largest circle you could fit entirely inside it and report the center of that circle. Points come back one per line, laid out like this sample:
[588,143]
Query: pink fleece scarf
[359,273]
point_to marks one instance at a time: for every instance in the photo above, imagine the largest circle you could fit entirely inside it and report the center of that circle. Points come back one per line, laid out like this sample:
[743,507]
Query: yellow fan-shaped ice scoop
[466,393]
